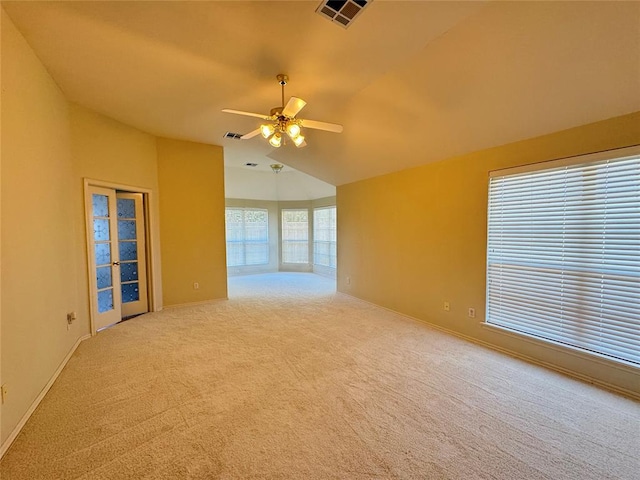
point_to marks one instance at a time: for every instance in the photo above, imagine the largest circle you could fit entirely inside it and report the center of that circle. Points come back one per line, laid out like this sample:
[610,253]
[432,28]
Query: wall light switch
[472,313]
[447,307]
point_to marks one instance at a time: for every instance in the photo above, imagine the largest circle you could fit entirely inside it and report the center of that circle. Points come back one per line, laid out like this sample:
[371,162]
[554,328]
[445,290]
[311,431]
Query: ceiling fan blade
[329,127]
[249,135]
[293,107]
[248,114]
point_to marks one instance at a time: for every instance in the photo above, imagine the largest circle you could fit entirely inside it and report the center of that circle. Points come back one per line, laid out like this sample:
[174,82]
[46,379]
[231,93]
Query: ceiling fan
[282,121]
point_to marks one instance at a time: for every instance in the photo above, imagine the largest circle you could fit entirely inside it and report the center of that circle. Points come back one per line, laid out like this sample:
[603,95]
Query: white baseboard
[16,431]
[193,304]
[551,366]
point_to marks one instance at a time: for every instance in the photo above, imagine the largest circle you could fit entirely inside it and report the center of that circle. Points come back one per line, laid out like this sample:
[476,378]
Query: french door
[117,255]
[132,253]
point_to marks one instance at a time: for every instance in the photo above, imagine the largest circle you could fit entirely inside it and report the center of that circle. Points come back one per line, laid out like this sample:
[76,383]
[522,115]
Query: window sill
[566,349]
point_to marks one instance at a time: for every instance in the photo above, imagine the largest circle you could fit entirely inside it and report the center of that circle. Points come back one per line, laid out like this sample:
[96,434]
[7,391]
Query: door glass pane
[103,254]
[129,271]
[100,229]
[130,293]
[126,208]
[128,251]
[126,229]
[105,300]
[104,277]
[100,205]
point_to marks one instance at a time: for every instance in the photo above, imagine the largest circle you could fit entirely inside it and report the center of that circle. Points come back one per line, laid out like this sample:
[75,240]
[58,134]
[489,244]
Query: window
[563,254]
[295,236]
[324,237]
[247,236]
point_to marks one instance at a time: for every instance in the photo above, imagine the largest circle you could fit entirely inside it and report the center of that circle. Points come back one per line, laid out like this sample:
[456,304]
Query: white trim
[570,373]
[193,304]
[89,260]
[16,431]
[155,301]
[562,348]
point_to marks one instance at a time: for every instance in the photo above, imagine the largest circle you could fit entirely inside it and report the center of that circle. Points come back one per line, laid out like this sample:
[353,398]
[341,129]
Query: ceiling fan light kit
[282,121]
[276,140]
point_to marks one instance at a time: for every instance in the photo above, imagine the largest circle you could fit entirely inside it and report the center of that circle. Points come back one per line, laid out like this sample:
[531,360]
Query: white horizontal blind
[325,237]
[563,255]
[295,236]
[247,233]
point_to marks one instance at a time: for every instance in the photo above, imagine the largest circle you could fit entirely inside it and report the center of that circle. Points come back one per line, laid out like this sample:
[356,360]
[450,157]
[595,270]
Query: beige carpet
[289,380]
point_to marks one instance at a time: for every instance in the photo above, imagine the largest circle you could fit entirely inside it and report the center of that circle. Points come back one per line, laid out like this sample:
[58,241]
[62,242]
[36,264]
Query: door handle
[115,264]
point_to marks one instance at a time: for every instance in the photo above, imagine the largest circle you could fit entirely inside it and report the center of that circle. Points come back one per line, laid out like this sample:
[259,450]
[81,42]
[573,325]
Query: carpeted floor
[289,380]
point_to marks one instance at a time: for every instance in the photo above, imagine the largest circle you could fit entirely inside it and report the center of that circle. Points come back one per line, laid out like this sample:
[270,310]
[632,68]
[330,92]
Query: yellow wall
[40,245]
[49,147]
[191,179]
[411,240]
[108,151]
[112,151]
[1,382]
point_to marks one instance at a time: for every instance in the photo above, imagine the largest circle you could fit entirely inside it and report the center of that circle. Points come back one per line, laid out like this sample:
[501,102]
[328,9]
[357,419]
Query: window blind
[295,236]
[247,232]
[563,255]
[325,237]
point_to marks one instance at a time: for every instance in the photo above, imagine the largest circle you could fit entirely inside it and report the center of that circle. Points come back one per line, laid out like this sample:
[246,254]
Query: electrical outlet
[472,313]
[3,392]
[447,307]
[196,285]
[71,317]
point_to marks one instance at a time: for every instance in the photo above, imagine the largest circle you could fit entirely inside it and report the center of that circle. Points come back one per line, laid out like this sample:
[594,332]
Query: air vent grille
[250,164]
[342,12]
[235,136]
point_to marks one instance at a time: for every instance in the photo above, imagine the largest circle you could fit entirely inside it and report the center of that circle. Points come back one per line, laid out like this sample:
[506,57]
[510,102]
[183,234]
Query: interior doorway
[118,247]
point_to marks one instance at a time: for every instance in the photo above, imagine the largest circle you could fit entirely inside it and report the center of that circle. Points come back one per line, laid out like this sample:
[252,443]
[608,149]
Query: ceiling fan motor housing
[276,112]
[282,78]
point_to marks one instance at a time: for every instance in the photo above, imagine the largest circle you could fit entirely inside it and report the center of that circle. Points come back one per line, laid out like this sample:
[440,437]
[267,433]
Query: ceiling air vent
[342,12]
[250,164]
[235,136]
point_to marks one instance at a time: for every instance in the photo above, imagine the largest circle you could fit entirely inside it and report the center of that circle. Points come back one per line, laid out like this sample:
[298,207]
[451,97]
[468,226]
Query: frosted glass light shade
[299,140]
[293,130]
[276,140]
[267,130]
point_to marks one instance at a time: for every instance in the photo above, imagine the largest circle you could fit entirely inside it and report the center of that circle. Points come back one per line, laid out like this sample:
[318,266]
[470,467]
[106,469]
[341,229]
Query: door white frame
[152,250]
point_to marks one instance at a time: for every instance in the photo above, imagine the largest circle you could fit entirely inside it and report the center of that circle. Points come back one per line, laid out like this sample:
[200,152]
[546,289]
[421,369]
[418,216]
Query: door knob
[116,264]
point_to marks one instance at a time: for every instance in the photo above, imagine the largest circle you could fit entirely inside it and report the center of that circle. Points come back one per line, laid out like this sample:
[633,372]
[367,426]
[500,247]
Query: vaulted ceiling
[412,82]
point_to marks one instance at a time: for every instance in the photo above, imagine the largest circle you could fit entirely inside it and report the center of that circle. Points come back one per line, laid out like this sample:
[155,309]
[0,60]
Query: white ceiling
[248,183]
[412,82]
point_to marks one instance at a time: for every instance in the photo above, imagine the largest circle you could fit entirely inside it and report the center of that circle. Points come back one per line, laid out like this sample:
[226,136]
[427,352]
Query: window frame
[244,242]
[582,162]
[284,241]
[332,244]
